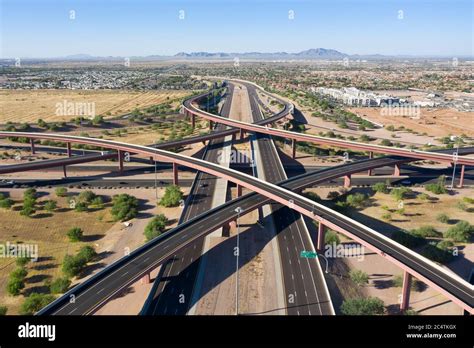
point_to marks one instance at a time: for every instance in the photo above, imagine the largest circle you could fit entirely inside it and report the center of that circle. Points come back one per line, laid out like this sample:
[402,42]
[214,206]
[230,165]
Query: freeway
[96,290]
[178,274]
[189,106]
[451,285]
[303,279]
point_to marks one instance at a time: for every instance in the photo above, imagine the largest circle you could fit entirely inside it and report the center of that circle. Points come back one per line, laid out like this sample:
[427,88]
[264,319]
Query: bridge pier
[193,121]
[175,174]
[239,190]
[32,145]
[68,147]
[406,287]
[145,279]
[260,214]
[211,125]
[293,148]
[347,181]
[64,171]
[396,170]
[241,134]
[371,155]
[120,159]
[321,235]
[461,179]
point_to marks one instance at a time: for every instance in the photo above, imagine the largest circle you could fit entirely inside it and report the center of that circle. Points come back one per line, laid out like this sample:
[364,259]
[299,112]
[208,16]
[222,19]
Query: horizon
[142,28]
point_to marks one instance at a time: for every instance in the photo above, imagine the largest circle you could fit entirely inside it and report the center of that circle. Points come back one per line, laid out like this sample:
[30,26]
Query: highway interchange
[96,291]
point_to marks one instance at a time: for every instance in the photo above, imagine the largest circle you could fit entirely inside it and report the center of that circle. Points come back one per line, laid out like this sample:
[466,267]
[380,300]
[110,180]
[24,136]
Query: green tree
[155,227]
[86,196]
[461,232]
[72,266]
[357,200]
[173,195]
[80,207]
[381,187]
[3,310]
[6,203]
[439,187]
[59,286]
[35,302]
[61,192]
[363,306]
[14,286]
[22,261]
[400,193]
[124,207]
[359,277]
[75,234]
[443,218]
[331,237]
[50,205]
[87,253]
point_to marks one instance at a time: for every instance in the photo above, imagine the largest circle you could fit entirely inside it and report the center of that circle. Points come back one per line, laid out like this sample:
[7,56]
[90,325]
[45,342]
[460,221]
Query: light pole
[238,210]
[327,262]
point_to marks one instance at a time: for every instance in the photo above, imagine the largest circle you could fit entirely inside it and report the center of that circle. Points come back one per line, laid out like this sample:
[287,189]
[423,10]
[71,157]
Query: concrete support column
[371,155]
[145,279]
[69,152]
[120,159]
[239,190]
[461,179]
[293,148]
[260,214]
[241,134]
[321,235]
[211,125]
[347,181]
[193,121]
[406,287]
[396,170]
[64,171]
[175,174]
[32,144]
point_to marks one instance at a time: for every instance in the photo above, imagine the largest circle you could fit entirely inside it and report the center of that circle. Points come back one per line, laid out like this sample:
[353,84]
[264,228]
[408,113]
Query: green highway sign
[309,254]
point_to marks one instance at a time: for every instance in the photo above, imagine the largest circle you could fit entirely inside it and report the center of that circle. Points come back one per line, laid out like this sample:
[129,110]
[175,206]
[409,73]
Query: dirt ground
[433,121]
[28,106]
[110,239]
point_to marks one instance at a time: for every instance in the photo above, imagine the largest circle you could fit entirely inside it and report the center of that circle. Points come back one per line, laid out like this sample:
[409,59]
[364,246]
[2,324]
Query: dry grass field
[29,106]
[48,231]
[435,122]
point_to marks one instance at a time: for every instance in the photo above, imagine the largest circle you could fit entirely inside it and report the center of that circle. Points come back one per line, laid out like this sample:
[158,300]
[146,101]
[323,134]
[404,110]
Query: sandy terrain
[28,106]
[435,122]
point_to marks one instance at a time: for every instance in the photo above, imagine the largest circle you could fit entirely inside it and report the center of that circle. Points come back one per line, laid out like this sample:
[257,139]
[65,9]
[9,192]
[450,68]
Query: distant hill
[314,53]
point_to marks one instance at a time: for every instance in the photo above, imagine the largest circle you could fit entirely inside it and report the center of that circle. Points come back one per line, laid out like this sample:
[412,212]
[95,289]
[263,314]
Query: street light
[238,210]
[327,262]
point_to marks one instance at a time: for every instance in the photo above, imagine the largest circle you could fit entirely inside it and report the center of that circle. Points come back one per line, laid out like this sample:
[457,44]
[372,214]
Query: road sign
[309,254]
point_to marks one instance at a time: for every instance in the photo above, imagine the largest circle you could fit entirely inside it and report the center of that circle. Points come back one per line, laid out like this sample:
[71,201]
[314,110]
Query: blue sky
[42,28]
